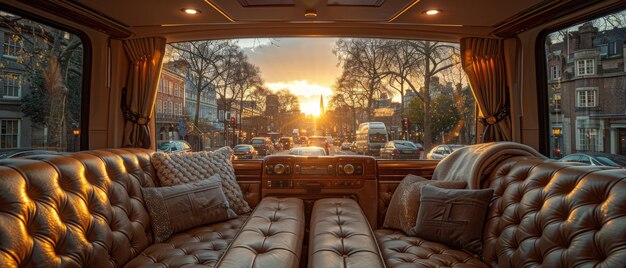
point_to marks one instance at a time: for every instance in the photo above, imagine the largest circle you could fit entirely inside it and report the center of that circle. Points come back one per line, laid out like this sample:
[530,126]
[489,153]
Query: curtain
[139,95]
[483,61]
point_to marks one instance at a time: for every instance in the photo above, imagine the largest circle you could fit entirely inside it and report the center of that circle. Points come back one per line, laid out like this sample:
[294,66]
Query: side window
[41,73]
[586,74]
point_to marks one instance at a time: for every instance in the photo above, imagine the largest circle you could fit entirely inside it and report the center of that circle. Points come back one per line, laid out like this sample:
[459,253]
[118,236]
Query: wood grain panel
[248,170]
[395,170]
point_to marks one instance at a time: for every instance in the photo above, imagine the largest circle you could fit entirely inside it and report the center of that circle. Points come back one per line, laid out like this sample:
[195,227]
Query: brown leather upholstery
[555,215]
[85,210]
[542,214]
[198,246]
[272,236]
[400,250]
[251,192]
[385,193]
[340,236]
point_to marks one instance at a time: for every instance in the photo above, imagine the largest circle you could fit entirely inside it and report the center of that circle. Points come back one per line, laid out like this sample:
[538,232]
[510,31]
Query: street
[334,150]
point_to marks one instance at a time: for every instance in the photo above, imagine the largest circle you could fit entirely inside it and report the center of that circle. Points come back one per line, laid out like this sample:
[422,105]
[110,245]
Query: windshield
[608,162]
[258,142]
[287,89]
[241,148]
[308,151]
[378,138]
[404,145]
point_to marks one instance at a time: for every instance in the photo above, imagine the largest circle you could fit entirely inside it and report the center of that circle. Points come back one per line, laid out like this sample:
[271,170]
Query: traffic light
[232,121]
[405,123]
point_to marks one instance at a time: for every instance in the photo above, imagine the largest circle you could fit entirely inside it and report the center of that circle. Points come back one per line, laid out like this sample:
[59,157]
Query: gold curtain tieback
[495,118]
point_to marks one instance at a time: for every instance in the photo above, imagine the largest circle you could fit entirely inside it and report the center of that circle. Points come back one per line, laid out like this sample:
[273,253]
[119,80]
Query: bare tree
[204,61]
[364,61]
[347,93]
[432,58]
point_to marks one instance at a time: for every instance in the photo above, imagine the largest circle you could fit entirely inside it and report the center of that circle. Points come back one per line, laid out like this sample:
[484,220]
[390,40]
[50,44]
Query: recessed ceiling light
[190,11]
[432,12]
[310,13]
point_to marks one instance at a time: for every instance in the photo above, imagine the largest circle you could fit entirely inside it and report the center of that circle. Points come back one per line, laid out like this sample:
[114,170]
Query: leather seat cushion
[202,245]
[400,250]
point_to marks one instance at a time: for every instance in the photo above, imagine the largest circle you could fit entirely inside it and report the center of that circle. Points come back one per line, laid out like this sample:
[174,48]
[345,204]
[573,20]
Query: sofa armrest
[272,236]
[341,236]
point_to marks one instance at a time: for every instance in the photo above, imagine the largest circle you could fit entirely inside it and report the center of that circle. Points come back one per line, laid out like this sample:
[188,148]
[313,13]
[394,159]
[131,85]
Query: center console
[313,178]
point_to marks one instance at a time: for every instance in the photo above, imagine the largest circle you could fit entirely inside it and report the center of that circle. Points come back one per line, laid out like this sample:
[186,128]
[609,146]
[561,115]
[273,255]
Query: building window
[12,86]
[588,140]
[9,133]
[585,67]
[159,106]
[586,97]
[12,45]
[555,72]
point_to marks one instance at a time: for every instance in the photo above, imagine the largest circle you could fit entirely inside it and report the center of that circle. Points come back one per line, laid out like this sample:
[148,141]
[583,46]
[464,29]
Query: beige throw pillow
[177,208]
[405,202]
[174,169]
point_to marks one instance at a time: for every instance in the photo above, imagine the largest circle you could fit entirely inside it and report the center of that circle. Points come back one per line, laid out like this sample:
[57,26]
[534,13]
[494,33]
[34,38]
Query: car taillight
[396,151]
[248,152]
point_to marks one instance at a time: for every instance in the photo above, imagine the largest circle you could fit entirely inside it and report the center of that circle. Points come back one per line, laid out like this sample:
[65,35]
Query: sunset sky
[305,66]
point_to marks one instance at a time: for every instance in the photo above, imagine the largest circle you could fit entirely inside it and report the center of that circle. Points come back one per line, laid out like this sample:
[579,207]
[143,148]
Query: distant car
[400,149]
[353,146]
[286,142]
[596,159]
[245,151]
[441,151]
[319,141]
[303,140]
[172,147]
[345,146]
[308,151]
[263,145]
[18,153]
[336,142]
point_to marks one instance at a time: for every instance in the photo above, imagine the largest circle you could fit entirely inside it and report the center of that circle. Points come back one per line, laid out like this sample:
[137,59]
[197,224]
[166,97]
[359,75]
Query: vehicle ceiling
[275,18]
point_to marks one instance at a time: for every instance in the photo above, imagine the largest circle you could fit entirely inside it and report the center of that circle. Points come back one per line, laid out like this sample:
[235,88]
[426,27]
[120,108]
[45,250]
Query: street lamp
[556,132]
[76,133]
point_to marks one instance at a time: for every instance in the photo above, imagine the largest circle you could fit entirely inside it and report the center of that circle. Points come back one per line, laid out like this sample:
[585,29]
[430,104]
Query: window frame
[19,81]
[18,137]
[587,90]
[585,67]
[541,69]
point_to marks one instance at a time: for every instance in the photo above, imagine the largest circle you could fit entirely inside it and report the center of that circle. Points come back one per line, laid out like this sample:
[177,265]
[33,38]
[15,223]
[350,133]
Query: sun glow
[308,94]
[310,108]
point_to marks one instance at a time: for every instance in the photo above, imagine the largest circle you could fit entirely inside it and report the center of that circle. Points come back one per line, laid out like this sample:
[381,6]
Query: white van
[370,137]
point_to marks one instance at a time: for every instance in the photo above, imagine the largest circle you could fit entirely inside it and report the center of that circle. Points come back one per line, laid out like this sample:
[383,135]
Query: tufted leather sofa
[542,214]
[86,210]
[340,236]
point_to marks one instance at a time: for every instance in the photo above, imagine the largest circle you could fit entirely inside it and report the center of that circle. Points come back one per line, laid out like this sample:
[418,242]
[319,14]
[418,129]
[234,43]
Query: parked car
[596,159]
[443,150]
[263,145]
[286,142]
[172,147]
[336,142]
[308,151]
[18,153]
[345,146]
[400,149]
[319,141]
[245,151]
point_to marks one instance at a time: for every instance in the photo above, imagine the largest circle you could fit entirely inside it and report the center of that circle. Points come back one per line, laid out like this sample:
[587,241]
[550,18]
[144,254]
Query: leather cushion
[198,247]
[400,250]
[405,202]
[176,208]
[174,169]
[453,217]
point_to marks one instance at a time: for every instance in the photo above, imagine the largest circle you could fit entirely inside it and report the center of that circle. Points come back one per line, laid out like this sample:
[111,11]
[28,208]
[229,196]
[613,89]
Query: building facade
[587,90]
[15,127]
[170,106]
